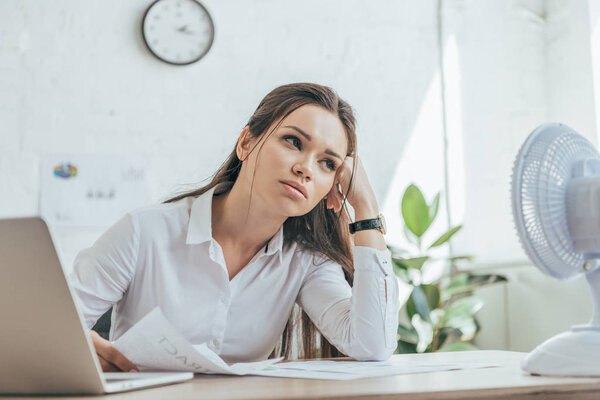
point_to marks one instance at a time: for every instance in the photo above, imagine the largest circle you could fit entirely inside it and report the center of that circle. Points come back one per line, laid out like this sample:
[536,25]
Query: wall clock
[178,32]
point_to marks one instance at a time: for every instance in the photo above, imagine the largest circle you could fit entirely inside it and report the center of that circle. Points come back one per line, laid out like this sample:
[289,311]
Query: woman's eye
[296,142]
[293,140]
[330,164]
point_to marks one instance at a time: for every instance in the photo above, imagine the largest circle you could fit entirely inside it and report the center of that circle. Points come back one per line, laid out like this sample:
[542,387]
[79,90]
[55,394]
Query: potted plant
[440,312]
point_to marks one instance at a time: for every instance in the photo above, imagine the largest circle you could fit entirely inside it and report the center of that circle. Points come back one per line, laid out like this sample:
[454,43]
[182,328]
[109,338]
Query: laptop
[44,345]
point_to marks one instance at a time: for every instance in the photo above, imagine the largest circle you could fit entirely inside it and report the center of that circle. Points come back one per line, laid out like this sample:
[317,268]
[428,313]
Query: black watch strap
[373,223]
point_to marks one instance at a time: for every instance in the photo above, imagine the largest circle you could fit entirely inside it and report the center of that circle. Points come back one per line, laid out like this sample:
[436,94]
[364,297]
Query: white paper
[154,344]
[342,370]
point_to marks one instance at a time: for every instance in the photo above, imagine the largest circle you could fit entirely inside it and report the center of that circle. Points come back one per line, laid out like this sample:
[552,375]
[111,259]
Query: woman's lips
[293,191]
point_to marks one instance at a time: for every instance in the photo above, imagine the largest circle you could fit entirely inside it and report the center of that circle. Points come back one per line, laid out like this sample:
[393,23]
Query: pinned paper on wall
[91,190]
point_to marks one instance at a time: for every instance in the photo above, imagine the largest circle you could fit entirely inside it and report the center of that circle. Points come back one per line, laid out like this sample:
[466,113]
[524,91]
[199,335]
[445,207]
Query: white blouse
[164,255]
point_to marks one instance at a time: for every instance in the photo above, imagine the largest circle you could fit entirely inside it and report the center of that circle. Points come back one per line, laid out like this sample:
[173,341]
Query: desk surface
[505,382]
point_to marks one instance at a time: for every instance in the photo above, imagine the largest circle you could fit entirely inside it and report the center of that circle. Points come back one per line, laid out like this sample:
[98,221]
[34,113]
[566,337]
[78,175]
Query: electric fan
[556,209]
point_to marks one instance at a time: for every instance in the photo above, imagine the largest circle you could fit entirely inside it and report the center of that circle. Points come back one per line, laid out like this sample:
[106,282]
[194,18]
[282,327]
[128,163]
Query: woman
[227,262]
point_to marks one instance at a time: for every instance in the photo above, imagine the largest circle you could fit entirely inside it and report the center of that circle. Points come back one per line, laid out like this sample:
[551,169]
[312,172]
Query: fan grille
[540,176]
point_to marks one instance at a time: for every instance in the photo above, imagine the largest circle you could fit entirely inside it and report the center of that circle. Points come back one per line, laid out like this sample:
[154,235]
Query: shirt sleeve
[361,321]
[102,273]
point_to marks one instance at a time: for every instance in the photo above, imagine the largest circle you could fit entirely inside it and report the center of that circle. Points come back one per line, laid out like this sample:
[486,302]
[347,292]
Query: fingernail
[133,370]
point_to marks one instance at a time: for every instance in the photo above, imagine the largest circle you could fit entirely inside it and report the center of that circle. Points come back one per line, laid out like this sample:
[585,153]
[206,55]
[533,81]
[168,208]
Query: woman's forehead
[318,124]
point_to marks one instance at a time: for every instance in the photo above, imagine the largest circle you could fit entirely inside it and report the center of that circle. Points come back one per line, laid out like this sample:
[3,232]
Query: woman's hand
[361,196]
[362,199]
[110,358]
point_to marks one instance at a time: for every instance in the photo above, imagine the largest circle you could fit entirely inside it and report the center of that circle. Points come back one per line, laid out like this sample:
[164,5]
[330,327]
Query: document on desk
[154,344]
[343,370]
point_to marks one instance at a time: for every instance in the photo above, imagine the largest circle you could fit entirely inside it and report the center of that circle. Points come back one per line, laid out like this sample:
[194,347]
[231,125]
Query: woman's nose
[303,169]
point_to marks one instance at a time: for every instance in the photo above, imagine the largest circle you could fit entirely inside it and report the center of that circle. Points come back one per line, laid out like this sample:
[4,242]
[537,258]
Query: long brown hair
[321,230]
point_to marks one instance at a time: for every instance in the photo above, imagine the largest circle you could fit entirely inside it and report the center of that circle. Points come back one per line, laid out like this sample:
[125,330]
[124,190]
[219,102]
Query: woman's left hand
[361,196]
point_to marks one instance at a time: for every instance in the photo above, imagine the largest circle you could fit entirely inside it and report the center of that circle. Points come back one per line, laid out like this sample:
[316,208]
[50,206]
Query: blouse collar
[200,225]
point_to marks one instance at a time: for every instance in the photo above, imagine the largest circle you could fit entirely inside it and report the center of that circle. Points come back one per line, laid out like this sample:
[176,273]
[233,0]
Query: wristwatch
[373,223]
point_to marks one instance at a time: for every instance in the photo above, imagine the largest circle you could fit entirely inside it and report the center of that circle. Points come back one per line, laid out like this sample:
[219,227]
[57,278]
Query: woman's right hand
[110,358]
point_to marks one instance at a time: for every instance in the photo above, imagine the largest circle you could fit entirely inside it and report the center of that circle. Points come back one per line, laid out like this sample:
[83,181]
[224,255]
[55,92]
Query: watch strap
[373,223]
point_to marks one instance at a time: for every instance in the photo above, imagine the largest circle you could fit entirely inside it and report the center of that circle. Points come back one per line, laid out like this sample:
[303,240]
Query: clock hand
[185,30]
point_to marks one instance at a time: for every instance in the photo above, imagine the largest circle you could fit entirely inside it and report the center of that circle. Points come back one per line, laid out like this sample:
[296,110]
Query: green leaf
[459,346]
[432,293]
[397,263]
[442,336]
[401,273]
[468,331]
[448,331]
[415,263]
[457,284]
[425,332]
[460,310]
[446,236]
[467,326]
[415,211]
[467,282]
[485,279]
[420,304]
[408,335]
[410,308]
[412,239]
[405,347]
[422,301]
[445,333]
[436,316]
[434,208]
[459,258]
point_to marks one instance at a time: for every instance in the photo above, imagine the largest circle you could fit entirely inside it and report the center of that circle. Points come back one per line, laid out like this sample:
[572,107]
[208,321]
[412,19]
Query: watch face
[178,31]
[383,225]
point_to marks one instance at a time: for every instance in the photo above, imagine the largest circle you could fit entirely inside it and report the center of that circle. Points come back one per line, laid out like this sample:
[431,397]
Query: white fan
[556,208]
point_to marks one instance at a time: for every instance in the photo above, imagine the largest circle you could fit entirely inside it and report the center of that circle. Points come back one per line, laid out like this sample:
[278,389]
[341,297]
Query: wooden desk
[505,382]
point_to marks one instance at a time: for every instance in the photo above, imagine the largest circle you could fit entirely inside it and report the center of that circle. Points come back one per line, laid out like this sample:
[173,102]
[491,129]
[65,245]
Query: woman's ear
[243,146]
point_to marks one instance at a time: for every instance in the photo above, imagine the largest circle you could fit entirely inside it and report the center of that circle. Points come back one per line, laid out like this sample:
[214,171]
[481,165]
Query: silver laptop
[44,345]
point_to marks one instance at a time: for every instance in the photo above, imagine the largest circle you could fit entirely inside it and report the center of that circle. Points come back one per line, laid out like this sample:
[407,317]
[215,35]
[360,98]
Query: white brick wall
[77,77]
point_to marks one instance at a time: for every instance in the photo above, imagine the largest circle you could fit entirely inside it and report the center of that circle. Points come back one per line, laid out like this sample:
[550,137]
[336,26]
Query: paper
[91,190]
[154,344]
[342,370]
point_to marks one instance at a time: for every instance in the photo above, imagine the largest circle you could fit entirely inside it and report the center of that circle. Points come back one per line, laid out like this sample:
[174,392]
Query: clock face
[178,31]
